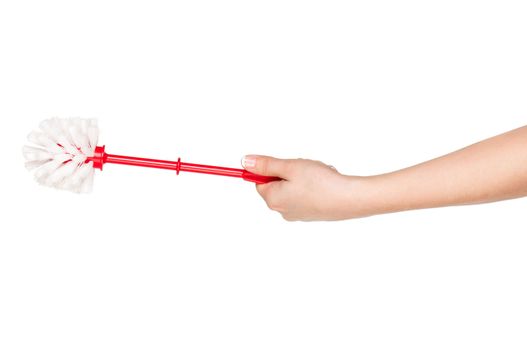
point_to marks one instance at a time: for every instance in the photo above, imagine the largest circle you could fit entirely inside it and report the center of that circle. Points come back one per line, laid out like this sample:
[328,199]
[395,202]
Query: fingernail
[249,162]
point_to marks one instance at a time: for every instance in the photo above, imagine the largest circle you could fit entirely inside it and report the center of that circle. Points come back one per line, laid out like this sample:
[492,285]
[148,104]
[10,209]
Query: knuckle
[261,189]
[290,167]
[263,165]
[273,201]
[273,204]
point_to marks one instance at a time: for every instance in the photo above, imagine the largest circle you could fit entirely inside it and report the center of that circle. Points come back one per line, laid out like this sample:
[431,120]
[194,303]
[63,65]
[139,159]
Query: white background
[155,261]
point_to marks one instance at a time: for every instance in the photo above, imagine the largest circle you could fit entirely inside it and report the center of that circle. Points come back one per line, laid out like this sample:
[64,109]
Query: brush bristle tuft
[58,153]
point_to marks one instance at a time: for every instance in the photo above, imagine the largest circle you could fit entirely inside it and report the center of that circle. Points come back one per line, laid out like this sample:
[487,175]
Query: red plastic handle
[259,179]
[100,157]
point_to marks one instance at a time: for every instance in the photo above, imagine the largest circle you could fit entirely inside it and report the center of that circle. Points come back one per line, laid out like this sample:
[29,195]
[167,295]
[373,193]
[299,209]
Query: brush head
[59,153]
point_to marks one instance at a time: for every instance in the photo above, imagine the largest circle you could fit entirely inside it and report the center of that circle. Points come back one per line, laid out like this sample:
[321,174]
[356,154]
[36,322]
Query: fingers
[268,166]
[270,193]
[264,165]
[273,195]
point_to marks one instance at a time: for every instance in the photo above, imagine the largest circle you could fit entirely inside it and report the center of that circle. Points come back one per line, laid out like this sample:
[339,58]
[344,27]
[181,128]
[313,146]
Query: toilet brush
[64,154]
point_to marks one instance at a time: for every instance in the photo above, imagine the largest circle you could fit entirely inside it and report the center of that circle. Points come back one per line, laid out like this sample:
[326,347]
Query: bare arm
[490,170]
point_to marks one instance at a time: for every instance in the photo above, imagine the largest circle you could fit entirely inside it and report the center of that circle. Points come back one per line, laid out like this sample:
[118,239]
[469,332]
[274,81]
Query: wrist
[369,195]
[356,200]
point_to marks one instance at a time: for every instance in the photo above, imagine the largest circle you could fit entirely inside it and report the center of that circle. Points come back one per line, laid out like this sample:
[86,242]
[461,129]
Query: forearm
[491,170]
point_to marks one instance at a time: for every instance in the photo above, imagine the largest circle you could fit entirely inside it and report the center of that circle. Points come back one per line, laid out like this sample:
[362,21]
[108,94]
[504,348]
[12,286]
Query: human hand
[310,190]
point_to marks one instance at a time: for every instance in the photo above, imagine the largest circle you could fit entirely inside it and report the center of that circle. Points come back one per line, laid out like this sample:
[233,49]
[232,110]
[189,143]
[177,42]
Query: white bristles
[58,153]
[34,164]
[35,154]
[87,185]
[93,133]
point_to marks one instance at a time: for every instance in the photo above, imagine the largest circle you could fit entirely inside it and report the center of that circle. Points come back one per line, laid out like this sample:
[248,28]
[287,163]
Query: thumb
[264,165]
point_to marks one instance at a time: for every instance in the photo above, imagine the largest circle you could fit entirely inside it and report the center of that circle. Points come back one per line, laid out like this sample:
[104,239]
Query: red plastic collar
[99,157]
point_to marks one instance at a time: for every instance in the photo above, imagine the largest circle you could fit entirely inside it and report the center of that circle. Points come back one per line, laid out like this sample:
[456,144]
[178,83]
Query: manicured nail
[249,162]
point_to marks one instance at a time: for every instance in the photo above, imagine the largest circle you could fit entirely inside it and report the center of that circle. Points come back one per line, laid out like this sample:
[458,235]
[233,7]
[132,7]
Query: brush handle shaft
[190,167]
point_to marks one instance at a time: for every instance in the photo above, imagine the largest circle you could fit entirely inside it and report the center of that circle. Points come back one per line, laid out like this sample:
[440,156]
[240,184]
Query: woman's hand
[310,190]
[491,170]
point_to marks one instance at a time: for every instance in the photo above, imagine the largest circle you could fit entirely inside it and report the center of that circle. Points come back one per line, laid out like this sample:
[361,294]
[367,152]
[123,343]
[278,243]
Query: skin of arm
[491,170]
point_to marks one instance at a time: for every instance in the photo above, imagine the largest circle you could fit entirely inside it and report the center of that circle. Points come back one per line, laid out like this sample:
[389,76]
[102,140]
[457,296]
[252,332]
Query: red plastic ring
[178,166]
